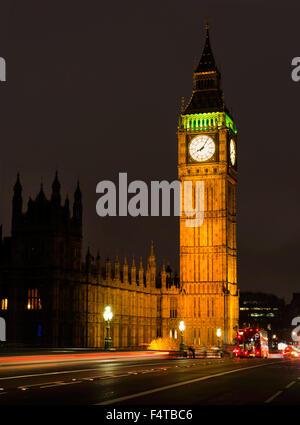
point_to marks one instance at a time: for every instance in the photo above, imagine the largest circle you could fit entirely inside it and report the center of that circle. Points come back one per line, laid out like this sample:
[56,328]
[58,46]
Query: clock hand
[202,147]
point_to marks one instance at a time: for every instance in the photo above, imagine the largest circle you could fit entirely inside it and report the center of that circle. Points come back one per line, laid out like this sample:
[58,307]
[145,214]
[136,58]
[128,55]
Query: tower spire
[207,23]
[55,198]
[17,203]
[207,93]
[18,186]
[77,206]
[207,61]
[41,195]
[152,248]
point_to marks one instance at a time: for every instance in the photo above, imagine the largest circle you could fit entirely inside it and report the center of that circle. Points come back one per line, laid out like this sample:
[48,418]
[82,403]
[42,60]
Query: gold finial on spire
[182,104]
[152,249]
[195,64]
[207,23]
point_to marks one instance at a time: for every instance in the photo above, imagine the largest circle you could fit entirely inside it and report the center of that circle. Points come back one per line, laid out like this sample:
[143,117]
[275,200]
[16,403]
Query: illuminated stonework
[208,254]
[207,121]
[49,296]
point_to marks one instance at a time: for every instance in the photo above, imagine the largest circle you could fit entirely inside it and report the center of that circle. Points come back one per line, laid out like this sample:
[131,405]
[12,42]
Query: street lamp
[182,329]
[219,333]
[108,315]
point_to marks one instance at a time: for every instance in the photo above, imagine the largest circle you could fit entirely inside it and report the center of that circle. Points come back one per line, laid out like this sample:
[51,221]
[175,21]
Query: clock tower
[207,141]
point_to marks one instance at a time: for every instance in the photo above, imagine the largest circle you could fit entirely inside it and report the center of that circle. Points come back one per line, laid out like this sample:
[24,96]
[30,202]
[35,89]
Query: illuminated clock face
[202,148]
[232,152]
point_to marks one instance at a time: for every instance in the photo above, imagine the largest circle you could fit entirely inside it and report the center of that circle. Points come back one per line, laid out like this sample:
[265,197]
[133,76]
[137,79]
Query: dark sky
[93,89]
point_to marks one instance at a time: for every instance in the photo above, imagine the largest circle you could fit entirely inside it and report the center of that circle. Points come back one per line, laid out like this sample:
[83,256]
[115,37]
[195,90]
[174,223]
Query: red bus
[251,342]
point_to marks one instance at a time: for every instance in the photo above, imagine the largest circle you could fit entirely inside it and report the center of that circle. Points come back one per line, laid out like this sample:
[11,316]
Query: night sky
[93,89]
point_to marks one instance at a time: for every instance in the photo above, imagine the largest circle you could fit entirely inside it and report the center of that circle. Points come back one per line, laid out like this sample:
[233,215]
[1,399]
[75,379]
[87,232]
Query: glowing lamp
[181,326]
[108,314]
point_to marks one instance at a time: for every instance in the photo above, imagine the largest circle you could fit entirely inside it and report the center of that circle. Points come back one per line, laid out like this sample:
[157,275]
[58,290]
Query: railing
[202,128]
[210,354]
[199,354]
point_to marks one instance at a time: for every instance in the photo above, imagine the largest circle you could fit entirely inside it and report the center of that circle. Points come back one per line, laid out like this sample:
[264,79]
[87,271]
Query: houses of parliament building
[49,296]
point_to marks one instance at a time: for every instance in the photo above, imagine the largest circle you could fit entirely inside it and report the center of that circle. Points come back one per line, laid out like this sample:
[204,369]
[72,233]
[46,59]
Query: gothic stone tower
[207,139]
[46,244]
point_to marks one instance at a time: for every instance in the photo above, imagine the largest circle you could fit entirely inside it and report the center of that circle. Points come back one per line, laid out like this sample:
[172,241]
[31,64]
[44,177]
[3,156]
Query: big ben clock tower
[207,152]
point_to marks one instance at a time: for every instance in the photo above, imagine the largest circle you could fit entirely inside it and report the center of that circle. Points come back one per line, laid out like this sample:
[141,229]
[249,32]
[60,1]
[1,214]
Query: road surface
[147,380]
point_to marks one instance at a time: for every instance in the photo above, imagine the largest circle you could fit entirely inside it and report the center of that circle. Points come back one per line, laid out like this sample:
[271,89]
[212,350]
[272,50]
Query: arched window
[4,302]
[173,307]
[33,300]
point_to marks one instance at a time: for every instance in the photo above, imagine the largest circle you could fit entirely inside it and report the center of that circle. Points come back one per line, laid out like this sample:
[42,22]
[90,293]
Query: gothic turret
[125,271]
[17,203]
[107,269]
[55,197]
[67,207]
[163,277]
[152,265]
[117,269]
[88,260]
[133,271]
[77,207]
[98,263]
[141,273]
[41,198]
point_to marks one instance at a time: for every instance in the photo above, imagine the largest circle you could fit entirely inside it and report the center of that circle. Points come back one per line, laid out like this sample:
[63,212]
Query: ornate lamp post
[219,334]
[108,315]
[182,329]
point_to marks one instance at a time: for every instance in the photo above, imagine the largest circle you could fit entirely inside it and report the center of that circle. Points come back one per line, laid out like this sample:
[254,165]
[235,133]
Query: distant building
[264,311]
[293,309]
[258,309]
